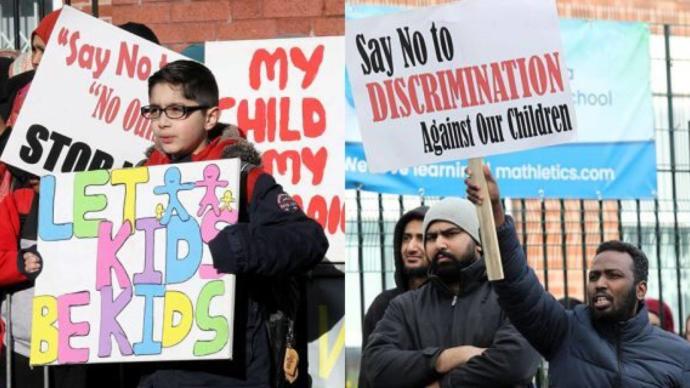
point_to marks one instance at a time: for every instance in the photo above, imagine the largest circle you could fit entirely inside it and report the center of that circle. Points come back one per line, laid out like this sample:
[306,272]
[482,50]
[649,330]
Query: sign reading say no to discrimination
[468,79]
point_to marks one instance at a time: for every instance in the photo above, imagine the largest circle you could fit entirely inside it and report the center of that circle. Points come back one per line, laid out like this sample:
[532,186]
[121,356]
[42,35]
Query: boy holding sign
[273,239]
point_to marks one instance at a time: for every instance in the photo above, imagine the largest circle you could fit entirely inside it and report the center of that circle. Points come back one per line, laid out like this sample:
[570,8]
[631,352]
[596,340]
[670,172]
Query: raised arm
[534,312]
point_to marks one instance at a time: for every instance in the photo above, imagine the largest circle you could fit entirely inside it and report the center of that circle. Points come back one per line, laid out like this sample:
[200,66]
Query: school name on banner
[83,108]
[434,84]
[283,95]
[127,272]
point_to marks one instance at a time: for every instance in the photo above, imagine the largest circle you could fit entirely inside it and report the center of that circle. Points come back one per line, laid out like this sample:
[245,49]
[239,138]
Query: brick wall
[566,224]
[179,23]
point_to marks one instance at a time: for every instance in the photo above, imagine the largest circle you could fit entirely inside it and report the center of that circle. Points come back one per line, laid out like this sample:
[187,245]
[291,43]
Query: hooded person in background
[411,266]
[451,331]
[18,86]
[15,90]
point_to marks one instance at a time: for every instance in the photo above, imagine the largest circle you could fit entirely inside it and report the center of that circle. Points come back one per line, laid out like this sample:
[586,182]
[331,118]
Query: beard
[620,311]
[417,272]
[449,271]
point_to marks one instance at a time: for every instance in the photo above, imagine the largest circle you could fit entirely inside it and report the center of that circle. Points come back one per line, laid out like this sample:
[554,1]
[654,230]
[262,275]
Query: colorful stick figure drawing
[227,200]
[172,186]
[211,182]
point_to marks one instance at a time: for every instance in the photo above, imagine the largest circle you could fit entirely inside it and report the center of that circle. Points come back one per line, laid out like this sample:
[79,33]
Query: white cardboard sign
[456,81]
[287,97]
[127,273]
[82,110]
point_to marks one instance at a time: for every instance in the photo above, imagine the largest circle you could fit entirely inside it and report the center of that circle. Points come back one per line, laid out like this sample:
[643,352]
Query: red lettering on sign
[310,66]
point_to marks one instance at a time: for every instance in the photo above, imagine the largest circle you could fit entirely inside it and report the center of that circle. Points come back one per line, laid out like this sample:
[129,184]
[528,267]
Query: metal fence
[18,19]
[560,236]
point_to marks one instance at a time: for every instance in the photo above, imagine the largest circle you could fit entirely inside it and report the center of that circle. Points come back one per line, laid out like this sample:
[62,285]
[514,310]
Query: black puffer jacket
[582,353]
[272,241]
[380,304]
[421,323]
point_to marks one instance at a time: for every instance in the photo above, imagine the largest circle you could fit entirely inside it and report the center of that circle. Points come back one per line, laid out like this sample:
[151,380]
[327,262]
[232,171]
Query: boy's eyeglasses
[175,112]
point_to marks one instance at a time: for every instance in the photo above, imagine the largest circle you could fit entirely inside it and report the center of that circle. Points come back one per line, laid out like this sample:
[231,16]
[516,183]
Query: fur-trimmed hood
[226,142]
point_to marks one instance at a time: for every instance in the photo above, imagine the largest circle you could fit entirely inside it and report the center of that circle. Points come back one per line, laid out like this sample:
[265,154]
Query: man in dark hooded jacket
[411,267]
[450,332]
[607,342]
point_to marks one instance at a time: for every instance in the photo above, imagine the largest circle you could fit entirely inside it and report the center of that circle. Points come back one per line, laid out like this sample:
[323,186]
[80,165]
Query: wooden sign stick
[487,226]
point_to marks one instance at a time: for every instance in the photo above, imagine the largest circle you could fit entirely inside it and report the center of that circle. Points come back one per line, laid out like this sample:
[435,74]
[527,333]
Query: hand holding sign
[427,90]
[478,188]
[476,195]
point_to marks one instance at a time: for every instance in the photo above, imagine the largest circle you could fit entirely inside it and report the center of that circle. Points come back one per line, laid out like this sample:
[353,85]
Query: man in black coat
[411,267]
[608,342]
[451,331]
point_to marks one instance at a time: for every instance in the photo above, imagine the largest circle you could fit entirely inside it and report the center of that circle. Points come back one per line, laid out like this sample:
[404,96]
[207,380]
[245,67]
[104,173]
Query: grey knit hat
[458,211]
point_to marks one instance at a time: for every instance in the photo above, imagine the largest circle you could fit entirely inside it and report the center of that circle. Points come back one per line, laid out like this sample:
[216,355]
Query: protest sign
[457,81]
[127,273]
[82,110]
[608,66]
[286,95]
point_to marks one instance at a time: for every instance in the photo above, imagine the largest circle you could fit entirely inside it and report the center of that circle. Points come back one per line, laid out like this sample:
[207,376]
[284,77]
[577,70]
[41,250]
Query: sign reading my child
[283,94]
[127,271]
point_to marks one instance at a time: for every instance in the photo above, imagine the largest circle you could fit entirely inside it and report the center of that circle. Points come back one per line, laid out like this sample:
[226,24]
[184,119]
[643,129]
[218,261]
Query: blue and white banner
[602,171]
[614,157]
[608,68]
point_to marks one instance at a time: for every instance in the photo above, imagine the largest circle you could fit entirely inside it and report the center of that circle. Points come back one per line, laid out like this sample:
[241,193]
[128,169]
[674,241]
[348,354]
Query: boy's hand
[32,263]
[474,194]
[29,262]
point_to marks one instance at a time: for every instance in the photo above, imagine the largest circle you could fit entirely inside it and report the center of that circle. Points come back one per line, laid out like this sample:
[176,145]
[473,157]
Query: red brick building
[179,23]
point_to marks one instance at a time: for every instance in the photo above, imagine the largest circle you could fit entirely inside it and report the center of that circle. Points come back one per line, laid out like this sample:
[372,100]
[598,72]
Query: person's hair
[140,30]
[639,259]
[197,81]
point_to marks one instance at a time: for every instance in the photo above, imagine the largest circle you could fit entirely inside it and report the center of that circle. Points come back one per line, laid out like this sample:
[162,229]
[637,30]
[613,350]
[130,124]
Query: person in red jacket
[20,264]
[272,242]
[14,208]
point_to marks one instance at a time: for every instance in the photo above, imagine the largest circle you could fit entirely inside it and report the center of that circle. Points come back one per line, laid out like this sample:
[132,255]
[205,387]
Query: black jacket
[9,90]
[419,324]
[583,353]
[272,241]
[380,304]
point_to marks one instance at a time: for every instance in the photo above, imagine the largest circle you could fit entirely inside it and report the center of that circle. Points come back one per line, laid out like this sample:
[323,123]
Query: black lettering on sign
[77,156]
[32,153]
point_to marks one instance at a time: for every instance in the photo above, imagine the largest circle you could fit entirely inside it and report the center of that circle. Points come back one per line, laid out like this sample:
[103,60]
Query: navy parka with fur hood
[272,241]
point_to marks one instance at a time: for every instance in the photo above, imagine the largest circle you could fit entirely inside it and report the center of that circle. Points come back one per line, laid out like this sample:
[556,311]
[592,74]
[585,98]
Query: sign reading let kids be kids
[127,273]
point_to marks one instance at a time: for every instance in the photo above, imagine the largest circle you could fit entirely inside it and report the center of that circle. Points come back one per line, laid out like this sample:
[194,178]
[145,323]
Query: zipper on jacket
[455,300]
[618,356]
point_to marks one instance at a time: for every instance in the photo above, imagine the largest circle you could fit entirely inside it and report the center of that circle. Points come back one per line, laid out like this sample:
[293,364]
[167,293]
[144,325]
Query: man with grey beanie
[451,331]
